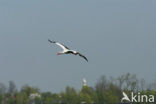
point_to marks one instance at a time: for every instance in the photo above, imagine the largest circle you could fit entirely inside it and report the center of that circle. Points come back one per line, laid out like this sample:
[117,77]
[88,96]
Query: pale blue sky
[117,36]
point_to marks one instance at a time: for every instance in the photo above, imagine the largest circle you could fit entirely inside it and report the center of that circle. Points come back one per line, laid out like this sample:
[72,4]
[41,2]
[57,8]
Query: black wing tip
[83,56]
[86,59]
[51,41]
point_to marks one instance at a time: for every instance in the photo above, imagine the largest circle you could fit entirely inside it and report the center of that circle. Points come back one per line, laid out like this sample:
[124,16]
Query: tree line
[106,91]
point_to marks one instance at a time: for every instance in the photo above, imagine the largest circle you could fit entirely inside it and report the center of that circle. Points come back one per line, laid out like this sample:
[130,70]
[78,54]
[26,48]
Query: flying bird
[66,50]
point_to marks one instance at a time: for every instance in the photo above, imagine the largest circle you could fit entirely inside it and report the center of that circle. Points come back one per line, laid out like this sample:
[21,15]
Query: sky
[117,37]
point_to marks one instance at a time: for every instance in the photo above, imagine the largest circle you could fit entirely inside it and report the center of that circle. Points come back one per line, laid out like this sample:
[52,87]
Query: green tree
[70,96]
[12,87]
[88,95]
[22,98]
[28,90]
[47,98]
[1,98]
[2,89]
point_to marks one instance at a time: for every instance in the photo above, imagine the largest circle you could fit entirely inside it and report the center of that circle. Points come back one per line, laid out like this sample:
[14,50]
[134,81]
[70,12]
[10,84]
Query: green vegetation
[106,91]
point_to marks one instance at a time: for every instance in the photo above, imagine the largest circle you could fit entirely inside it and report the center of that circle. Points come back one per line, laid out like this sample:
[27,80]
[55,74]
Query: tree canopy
[106,91]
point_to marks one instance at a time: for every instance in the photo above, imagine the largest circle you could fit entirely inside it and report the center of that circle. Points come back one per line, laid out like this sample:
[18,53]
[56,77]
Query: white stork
[66,50]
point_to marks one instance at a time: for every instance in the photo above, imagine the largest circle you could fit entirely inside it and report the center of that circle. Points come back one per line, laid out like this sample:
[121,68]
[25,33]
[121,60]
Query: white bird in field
[66,50]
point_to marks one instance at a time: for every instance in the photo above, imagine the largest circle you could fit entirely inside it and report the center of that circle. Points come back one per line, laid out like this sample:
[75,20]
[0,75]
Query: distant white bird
[66,50]
[125,97]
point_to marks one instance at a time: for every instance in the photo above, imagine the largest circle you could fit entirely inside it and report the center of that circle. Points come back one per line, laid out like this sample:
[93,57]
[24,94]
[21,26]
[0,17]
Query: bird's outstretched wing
[82,56]
[59,44]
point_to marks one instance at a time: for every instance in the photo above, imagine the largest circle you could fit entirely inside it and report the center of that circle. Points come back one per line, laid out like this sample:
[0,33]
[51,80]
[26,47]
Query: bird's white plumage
[62,46]
[66,50]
